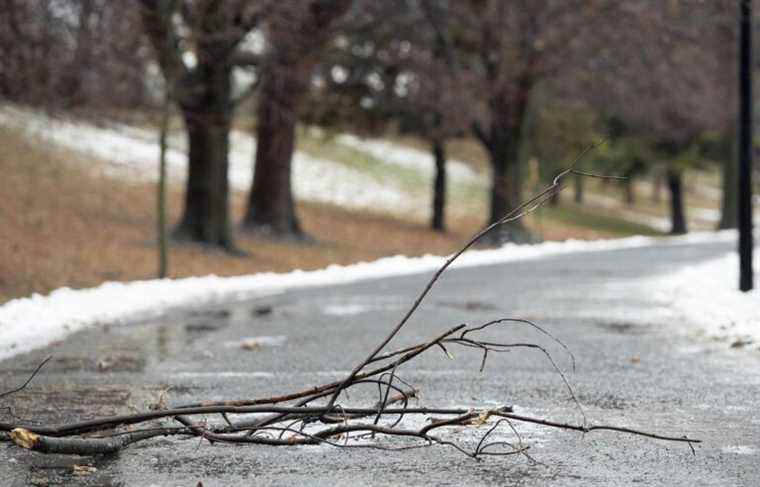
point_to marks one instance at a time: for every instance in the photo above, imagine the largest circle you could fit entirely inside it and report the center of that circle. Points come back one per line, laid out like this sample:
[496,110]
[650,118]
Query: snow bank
[706,296]
[35,321]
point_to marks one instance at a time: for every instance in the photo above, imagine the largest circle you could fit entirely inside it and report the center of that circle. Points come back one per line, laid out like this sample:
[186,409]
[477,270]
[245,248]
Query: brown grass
[66,224]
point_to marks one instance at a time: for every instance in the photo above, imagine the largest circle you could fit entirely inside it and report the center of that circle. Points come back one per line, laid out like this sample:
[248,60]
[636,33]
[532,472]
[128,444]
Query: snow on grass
[36,321]
[706,296]
[132,153]
[410,158]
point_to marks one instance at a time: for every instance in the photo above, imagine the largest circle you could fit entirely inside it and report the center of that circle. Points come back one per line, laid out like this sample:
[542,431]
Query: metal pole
[745,146]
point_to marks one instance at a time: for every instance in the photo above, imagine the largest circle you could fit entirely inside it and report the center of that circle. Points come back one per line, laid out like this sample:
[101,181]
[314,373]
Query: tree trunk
[271,207]
[285,81]
[729,210]
[502,142]
[208,119]
[70,89]
[657,187]
[204,95]
[506,188]
[677,214]
[206,213]
[629,191]
[579,182]
[438,221]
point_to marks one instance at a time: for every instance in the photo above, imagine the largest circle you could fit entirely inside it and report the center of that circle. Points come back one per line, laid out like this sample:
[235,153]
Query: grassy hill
[68,221]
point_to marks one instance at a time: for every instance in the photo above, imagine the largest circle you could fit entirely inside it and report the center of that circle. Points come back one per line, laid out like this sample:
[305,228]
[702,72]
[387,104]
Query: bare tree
[665,80]
[72,54]
[442,97]
[394,71]
[198,44]
[511,47]
[295,33]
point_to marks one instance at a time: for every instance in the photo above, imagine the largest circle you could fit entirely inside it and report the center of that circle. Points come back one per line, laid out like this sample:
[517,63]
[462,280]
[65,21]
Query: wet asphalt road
[633,368]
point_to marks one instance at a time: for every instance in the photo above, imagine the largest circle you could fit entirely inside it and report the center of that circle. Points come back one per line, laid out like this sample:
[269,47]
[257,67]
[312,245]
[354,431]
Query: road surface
[633,368]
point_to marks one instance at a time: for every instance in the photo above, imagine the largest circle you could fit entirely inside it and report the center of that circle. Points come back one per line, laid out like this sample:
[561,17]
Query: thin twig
[29,380]
[518,212]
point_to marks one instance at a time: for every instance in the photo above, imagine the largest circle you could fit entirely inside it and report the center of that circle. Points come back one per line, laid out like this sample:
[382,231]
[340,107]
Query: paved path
[632,369]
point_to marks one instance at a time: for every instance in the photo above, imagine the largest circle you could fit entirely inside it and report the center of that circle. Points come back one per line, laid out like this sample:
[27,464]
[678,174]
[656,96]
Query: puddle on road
[159,341]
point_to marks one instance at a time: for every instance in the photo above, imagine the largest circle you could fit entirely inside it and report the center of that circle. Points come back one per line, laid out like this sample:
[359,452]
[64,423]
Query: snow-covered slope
[131,152]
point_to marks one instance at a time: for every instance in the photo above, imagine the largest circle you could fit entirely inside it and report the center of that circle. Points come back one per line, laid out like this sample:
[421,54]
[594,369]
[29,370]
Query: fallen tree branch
[297,418]
[78,446]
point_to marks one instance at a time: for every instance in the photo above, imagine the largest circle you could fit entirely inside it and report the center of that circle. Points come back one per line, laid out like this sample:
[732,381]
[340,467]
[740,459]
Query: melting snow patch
[705,296]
